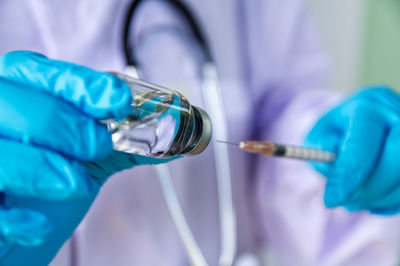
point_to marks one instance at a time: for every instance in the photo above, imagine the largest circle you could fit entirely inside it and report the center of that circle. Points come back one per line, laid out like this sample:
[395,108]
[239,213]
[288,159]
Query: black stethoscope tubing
[213,100]
[182,9]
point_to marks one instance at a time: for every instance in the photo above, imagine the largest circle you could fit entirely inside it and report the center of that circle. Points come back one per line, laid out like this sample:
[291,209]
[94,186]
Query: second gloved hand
[364,132]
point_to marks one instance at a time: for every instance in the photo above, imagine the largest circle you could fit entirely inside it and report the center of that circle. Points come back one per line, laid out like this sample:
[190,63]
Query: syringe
[282,150]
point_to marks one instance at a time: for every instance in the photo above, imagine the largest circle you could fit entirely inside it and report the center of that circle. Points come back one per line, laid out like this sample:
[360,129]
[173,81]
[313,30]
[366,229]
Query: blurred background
[363,39]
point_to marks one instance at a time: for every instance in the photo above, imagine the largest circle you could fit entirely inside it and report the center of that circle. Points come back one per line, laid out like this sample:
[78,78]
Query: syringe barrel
[303,153]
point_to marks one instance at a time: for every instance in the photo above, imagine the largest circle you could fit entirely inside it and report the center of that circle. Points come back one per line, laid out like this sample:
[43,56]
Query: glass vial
[162,124]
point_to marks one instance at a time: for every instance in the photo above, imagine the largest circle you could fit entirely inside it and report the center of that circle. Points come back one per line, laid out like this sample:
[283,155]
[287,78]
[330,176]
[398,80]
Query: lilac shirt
[272,73]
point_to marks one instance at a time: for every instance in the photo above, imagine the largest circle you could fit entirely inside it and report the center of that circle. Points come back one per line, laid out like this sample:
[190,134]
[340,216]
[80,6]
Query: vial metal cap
[205,135]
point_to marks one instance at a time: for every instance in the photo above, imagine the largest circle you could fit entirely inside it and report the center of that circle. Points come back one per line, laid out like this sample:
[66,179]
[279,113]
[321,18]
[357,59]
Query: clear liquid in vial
[161,125]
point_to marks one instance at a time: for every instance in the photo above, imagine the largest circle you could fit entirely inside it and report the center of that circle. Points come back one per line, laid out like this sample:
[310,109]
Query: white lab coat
[272,71]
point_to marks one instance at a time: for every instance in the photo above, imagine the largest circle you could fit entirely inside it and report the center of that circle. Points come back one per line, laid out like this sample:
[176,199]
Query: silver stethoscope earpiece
[212,96]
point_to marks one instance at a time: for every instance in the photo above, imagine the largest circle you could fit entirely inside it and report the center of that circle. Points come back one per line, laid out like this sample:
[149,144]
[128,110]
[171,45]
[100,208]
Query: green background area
[381,52]
[380,63]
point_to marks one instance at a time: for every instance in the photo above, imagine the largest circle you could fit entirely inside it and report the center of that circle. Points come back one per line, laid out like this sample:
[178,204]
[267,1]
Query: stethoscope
[212,96]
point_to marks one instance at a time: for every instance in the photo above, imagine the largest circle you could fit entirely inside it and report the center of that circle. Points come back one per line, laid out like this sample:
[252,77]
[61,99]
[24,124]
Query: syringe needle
[228,142]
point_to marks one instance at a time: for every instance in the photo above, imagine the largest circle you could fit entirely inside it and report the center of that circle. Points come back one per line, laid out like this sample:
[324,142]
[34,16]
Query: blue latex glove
[50,138]
[364,132]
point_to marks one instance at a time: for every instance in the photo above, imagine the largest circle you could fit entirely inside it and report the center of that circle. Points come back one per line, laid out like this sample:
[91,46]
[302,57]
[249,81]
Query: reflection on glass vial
[162,124]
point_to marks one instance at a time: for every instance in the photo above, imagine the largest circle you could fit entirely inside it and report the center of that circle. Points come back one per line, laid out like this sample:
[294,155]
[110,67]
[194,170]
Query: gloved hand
[364,132]
[48,129]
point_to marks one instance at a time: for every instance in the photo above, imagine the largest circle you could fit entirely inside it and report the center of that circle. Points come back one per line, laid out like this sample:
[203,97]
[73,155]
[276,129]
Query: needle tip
[227,142]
